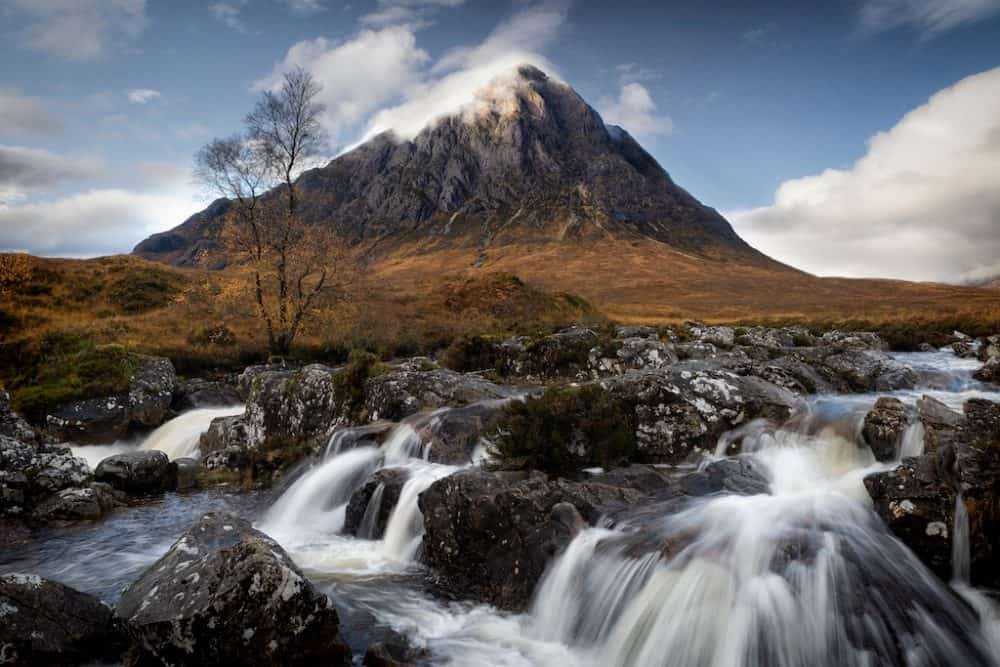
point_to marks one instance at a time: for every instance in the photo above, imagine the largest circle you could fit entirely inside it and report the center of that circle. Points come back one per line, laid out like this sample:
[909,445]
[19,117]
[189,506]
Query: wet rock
[867,370]
[366,435]
[79,504]
[990,372]
[388,654]
[990,348]
[926,347]
[29,473]
[630,354]
[451,435]
[140,472]
[293,407]
[742,476]
[681,411]
[963,349]
[224,433]
[408,390]
[198,393]
[490,535]
[226,594]
[12,424]
[917,500]
[146,404]
[884,426]
[43,622]
[366,519]
[187,473]
[232,459]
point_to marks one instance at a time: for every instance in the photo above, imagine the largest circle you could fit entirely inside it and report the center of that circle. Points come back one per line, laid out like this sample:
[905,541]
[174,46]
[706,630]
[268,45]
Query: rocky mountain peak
[528,160]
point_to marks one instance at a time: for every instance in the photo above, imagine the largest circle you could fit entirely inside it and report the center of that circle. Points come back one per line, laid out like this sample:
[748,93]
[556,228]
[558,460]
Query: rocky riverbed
[632,497]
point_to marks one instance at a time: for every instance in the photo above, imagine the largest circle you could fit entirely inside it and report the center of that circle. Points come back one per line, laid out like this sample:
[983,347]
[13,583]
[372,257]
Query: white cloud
[635,110]
[304,6]
[358,75]
[930,16]
[80,30]
[922,204]
[229,13]
[414,13]
[24,115]
[460,74]
[92,223]
[28,169]
[143,95]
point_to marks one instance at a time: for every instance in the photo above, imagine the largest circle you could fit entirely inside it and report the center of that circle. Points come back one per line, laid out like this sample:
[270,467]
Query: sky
[848,137]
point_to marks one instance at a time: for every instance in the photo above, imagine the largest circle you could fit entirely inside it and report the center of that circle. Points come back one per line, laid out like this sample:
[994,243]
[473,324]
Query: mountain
[529,162]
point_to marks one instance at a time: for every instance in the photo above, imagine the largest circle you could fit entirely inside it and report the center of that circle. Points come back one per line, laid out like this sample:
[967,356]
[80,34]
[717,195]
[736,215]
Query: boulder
[636,331]
[389,654]
[884,426]
[292,407]
[224,433]
[489,535]
[226,594]
[12,424]
[865,370]
[636,353]
[724,337]
[853,340]
[145,405]
[43,622]
[682,410]
[990,371]
[989,348]
[187,473]
[410,389]
[140,472]
[30,473]
[964,349]
[198,393]
[961,464]
[371,505]
[451,435]
[79,504]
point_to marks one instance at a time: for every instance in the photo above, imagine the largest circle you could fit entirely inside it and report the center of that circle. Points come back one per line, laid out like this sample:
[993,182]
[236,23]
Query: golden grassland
[416,299]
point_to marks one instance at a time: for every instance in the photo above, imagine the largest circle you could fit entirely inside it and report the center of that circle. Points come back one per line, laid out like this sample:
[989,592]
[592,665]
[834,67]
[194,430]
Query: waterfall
[960,550]
[180,436]
[405,529]
[367,529]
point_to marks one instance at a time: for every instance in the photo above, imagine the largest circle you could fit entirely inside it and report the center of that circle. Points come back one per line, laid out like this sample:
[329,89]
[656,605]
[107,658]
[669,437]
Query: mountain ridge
[529,162]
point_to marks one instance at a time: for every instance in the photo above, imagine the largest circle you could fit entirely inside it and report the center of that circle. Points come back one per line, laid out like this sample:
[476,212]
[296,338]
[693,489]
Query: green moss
[69,367]
[564,430]
[143,289]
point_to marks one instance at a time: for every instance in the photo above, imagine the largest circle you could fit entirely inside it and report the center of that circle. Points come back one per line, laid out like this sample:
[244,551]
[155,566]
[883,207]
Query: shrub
[220,335]
[564,430]
[143,289]
[470,353]
[350,381]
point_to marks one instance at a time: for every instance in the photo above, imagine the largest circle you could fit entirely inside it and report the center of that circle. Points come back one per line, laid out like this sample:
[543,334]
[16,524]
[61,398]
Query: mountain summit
[528,161]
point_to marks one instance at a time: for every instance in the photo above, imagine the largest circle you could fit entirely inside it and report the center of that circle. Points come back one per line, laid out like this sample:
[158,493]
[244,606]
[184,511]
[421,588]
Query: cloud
[929,16]
[304,6]
[460,74]
[143,95]
[25,169]
[80,30]
[760,36]
[92,223]
[229,13]
[922,204]
[25,115]
[414,13]
[357,75]
[635,110]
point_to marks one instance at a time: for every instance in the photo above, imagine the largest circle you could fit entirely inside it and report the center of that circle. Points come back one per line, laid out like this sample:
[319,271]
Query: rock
[926,347]
[367,519]
[30,473]
[636,331]
[854,340]
[884,426]
[989,348]
[226,594]
[187,473]
[964,349]
[233,459]
[682,410]
[630,354]
[43,622]
[225,433]
[12,424]
[990,371]
[292,407]
[146,404]
[395,395]
[718,336]
[958,335]
[917,500]
[388,654]
[140,472]
[490,535]
[867,370]
[198,393]
[451,435]
[79,504]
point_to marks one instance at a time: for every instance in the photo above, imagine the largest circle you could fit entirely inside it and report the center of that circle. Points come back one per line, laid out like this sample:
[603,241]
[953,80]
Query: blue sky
[103,103]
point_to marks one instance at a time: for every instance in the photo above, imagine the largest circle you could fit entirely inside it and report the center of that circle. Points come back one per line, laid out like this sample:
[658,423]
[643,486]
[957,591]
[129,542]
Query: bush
[143,289]
[350,381]
[220,335]
[564,430]
[70,367]
[470,353]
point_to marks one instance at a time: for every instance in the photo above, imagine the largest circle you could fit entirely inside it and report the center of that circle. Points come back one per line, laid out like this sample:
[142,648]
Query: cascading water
[176,438]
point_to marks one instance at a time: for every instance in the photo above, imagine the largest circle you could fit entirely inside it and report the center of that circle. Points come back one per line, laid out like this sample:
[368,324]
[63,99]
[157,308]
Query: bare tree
[292,262]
